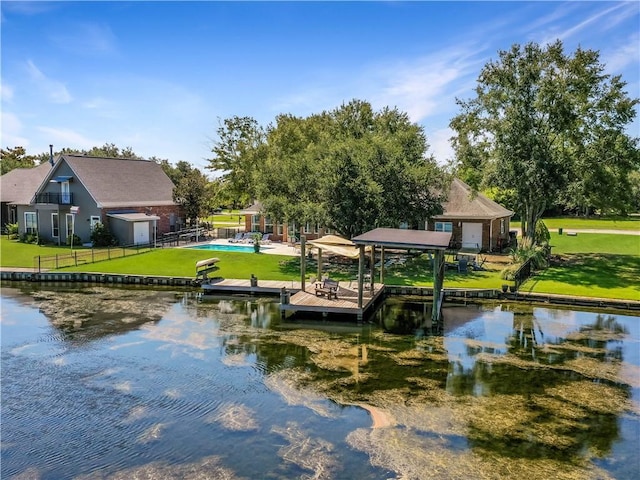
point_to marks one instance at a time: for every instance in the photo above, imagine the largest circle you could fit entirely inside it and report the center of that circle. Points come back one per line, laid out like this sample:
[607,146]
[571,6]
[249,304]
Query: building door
[140,233]
[472,235]
[65,197]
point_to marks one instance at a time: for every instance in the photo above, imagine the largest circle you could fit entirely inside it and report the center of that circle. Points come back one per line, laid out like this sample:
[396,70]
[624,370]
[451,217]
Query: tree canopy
[548,127]
[12,158]
[351,169]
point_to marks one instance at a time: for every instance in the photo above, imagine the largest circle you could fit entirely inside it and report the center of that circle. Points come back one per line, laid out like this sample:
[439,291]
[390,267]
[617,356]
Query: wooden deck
[346,303]
[302,301]
[264,287]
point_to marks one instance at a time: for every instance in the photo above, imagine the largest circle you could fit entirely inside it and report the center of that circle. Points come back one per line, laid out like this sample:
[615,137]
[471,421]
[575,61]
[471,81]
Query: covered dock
[403,239]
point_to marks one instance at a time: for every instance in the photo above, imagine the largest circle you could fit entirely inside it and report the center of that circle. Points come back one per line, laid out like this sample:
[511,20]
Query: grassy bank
[589,265]
[589,223]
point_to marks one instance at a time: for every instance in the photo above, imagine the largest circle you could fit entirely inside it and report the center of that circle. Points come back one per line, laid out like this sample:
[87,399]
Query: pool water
[227,248]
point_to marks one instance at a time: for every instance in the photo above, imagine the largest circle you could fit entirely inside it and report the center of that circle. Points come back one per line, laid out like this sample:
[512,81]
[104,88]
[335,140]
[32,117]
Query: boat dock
[293,299]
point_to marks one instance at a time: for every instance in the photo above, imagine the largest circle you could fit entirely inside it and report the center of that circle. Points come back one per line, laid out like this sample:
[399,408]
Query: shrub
[541,235]
[29,238]
[11,229]
[77,241]
[101,236]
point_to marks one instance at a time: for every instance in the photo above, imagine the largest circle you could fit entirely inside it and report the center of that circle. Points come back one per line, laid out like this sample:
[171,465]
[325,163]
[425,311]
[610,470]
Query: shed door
[471,235]
[140,233]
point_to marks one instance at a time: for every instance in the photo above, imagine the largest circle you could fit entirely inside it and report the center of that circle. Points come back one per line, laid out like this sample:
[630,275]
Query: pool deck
[274,248]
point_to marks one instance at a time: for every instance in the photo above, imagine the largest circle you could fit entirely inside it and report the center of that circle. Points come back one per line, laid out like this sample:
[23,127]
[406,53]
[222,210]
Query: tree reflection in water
[522,393]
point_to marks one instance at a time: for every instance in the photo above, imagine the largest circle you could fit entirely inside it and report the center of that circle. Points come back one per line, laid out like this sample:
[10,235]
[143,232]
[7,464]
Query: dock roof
[403,238]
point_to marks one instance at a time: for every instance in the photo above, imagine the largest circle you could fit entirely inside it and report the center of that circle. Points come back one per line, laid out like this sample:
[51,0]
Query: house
[256,221]
[132,197]
[16,188]
[476,222]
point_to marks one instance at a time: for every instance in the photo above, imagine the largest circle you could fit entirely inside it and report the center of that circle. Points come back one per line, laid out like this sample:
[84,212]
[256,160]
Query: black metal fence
[86,256]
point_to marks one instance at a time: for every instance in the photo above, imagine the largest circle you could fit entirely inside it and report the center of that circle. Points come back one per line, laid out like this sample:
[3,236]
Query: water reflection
[157,384]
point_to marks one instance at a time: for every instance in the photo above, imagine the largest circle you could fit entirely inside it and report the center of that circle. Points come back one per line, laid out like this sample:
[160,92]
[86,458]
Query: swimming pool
[227,248]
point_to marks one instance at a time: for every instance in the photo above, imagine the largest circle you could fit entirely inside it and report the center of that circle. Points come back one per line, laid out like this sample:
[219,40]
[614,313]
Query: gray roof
[402,238]
[121,182]
[19,185]
[463,203]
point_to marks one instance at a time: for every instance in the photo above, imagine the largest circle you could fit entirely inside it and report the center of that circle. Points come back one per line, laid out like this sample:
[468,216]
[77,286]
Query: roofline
[472,217]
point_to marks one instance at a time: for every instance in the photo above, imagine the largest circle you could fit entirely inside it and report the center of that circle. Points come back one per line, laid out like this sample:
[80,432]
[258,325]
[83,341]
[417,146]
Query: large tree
[193,194]
[12,158]
[237,154]
[351,169]
[541,125]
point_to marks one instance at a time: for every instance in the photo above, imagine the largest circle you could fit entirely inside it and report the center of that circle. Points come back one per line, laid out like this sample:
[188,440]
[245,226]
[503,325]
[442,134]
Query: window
[255,223]
[404,225]
[65,193]
[94,221]
[444,227]
[30,223]
[69,218]
[268,225]
[280,229]
[55,225]
[307,228]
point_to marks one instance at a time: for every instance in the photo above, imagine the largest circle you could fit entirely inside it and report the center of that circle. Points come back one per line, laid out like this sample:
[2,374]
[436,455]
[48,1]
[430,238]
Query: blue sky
[158,76]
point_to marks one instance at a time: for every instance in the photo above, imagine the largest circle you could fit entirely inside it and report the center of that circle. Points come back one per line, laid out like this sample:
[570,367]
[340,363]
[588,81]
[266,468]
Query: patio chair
[237,238]
[266,238]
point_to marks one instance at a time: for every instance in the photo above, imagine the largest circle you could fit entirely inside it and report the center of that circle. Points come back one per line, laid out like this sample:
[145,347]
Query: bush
[30,238]
[541,235]
[11,229]
[101,236]
[77,241]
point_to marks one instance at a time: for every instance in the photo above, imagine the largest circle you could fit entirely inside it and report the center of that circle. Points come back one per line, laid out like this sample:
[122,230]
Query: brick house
[475,221]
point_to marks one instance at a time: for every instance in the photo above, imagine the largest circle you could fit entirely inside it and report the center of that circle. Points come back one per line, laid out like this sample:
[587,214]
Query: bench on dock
[327,287]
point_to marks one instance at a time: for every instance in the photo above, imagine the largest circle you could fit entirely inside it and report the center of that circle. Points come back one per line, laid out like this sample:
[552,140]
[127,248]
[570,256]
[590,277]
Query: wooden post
[319,264]
[372,268]
[303,262]
[382,264]
[360,275]
[438,281]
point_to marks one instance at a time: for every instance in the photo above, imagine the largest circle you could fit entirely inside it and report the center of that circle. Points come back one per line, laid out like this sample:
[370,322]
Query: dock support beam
[438,280]
[360,275]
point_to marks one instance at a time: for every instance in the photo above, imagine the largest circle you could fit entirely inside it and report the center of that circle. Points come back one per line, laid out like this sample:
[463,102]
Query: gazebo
[403,239]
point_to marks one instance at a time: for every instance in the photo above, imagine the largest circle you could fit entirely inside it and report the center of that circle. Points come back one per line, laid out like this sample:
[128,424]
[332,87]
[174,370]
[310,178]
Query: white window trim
[26,223]
[443,227]
[53,232]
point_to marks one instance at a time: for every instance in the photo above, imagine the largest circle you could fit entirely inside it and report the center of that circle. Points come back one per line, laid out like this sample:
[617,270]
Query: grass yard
[589,223]
[591,265]
[16,254]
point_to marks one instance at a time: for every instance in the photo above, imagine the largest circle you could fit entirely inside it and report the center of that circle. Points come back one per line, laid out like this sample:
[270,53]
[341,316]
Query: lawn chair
[327,287]
[237,238]
[266,238]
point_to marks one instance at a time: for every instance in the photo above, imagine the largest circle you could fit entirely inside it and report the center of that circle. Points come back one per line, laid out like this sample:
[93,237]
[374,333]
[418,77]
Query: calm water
[122,383]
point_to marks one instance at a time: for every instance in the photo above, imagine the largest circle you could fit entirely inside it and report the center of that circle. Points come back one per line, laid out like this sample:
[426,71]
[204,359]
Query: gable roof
[463,203]
[119,182]
[19,185]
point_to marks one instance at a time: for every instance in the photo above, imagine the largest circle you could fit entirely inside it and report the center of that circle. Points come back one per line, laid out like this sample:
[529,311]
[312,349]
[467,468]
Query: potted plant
[256,242]
[508,274]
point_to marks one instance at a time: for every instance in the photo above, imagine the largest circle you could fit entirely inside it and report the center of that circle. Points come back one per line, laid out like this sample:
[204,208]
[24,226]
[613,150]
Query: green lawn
[16,254]
[591,223]
[590,265]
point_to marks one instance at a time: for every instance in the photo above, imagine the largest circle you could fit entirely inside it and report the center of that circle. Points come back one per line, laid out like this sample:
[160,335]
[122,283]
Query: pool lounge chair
[237,238]
[266,238]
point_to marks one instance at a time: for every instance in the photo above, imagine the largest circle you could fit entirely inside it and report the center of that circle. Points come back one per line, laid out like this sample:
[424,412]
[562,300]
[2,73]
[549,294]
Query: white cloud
[11,133]
[440,145]
[86,38]
[68,138]
[6,92]
[624,55]
[55,91]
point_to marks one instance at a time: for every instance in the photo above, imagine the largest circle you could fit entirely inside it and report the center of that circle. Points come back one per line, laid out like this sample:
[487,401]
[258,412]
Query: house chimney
[51,155]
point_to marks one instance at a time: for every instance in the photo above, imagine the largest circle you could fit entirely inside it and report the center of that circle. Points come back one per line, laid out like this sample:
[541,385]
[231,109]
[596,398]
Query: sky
[159,77]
